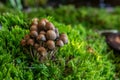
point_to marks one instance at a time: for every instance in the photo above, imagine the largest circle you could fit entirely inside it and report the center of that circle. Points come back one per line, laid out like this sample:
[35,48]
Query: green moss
[73,62]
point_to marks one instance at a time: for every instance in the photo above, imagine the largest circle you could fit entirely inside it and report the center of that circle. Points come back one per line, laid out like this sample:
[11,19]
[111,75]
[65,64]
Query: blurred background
[23,4]
[100,14]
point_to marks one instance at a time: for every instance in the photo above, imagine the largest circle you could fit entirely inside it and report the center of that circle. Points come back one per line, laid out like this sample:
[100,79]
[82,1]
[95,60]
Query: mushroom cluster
[43,40]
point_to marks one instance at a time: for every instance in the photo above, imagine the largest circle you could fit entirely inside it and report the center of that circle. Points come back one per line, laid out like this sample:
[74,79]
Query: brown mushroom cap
[42,51]
[50,44]
[41,37]
[42,24]
[64,39]
[30,42]
[23,42]
[33,34]
[51,35]
[49,26]
[63,35]
[42,32]
[33,28]
[27,37]
[36,46]
[35,21]
[44,20]
[59,43]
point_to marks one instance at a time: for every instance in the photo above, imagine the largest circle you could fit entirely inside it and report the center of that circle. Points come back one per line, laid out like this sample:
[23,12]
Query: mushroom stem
[26,50]
[51,54]
[40,43]
[31,51]
[43,44]
[34,53]
[37,56]
[54,52]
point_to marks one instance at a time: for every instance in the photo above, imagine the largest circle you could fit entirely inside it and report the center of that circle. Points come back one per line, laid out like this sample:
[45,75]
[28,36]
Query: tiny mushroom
[33,28]
[50,44]
[35,21]
[36,45]
[59,43]
[51,35]
[42,32]
[41,37]
[23,42]
[33,34]
[63,35]
[49,26]
[42,24]
[42,51]
[30,42]
[64,38]
[27,37]
[57,32]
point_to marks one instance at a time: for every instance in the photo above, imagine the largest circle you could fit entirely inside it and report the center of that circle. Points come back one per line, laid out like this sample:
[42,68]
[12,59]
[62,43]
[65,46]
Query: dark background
[77,3]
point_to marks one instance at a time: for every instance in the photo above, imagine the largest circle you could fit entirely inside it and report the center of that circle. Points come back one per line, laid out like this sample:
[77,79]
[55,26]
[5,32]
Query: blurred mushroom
[41,37]
[51,35]
[57,33]
[42,32]
[42,51]
[35,21]
[27,37]
[33,34]
[23,42]
[113,40]
[49,26]
[63,35]
[64,38]
[42,24]
[50,44]
[36,46]
[59,43]
[33,28]
[30,42]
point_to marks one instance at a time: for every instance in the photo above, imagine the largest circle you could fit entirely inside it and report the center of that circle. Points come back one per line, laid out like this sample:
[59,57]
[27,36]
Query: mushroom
[49,26]
[35,21]
[59,43]
[30,42]
[33,34]
[27,37]
[42,32]
[36,46]
[33,28]
[64,39]
[63,35]
[51,35]
[50,44]
[42,24]
[57,33]
[42,51]
[44,20]
[23,42]
[41,37]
